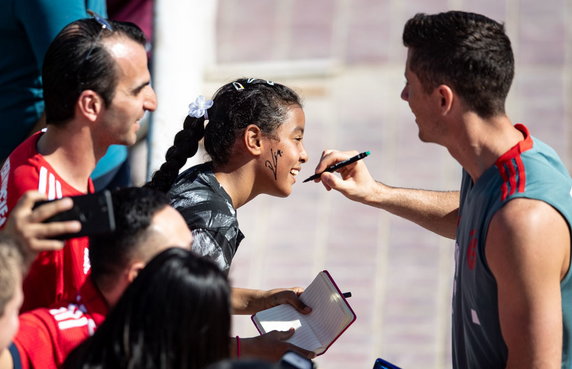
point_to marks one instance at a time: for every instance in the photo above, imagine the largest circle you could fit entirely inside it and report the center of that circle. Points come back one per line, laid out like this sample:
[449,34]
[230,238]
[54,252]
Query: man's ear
[252,139]
[134,270]
[89,104]
[446,98]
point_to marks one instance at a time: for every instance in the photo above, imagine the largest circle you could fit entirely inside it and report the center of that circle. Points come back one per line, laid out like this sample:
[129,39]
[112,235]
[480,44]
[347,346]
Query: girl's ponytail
[186,145]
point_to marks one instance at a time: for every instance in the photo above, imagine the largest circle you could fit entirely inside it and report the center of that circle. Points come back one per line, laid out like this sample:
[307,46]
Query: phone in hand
[382,364]
[94,211]
[293,360]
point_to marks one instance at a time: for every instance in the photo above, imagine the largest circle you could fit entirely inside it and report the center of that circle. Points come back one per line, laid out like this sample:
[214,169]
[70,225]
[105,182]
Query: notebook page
[284,317]
[329,315]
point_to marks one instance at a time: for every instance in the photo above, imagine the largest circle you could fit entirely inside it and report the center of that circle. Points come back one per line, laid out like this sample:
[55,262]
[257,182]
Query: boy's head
[145,225]
[11,273]
[466,51]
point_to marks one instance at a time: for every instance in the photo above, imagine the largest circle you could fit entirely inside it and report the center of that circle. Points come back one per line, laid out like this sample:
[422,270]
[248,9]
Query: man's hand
[355,183]
[249,301]
[25,223]
[270,346]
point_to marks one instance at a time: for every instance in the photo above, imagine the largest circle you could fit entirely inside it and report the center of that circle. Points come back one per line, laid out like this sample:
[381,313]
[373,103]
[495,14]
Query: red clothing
[47,336]
[54,276]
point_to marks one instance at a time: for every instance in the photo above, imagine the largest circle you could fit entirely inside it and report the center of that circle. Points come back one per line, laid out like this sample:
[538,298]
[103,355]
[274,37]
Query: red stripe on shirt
[507,160]
[504,186]
[521,174]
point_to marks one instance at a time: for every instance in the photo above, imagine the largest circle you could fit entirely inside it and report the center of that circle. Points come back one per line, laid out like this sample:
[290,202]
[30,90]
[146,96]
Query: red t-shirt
[47,336]
[54,276]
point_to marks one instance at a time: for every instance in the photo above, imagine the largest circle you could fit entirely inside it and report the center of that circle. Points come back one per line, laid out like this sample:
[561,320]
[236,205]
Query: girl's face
[284,154]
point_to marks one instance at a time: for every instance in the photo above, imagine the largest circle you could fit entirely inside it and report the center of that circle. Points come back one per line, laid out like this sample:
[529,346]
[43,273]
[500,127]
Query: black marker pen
[341,164]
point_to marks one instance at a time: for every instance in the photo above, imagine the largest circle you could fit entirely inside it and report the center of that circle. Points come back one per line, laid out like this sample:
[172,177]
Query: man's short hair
[12,269]
[77,60]
[134,209]
[466,51]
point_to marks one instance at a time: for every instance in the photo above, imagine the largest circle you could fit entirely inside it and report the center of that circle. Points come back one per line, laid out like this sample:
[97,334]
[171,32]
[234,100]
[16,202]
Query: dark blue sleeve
[16,361]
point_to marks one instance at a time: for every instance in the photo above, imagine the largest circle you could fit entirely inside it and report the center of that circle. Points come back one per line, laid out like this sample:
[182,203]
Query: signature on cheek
[274,164]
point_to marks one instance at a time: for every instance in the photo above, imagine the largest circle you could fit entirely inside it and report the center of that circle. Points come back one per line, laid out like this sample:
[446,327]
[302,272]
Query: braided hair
[236,105]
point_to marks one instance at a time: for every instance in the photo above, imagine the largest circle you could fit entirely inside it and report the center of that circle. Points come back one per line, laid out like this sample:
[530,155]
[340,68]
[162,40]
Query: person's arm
[528,252]
[249,301]
[434,210]
[270,346]
[25,223]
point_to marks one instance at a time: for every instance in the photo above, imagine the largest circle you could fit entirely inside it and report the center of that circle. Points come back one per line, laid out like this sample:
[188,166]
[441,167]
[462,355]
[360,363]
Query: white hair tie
[199,107]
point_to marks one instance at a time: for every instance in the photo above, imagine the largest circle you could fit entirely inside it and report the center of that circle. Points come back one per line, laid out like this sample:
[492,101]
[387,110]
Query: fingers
[295,301]
[45,245]
[25,222]
[50,209]
[307,354]
[289,296]
[297,290]
[27,201]
[47,230]
[330,157]
[284,335]
[331,181]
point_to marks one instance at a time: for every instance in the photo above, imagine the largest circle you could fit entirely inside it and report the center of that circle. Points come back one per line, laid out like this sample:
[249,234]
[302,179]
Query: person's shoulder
[191,179]
[522,216]
[35,326]
[198,187]
[25,163]
[57,330]
[543,158]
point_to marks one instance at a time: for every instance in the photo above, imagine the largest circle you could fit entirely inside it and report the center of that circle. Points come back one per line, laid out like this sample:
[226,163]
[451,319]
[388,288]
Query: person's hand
[355,181]
[25,223]
[249,301]
[279,296]
[271,346]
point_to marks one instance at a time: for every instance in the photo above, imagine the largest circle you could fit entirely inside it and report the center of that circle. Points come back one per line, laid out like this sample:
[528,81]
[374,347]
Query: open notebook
[331,315]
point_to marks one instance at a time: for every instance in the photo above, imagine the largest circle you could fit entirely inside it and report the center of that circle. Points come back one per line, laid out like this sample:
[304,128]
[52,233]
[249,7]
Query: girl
[253,131]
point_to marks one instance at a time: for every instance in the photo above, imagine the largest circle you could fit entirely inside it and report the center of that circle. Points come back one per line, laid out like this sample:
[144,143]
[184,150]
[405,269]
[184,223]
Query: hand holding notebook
[331,315]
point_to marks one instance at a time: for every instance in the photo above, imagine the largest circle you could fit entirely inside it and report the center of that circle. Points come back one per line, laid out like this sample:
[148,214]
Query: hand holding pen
[341,164]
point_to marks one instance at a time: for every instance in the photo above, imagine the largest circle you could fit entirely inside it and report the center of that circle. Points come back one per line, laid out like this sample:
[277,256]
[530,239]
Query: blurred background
[346,59]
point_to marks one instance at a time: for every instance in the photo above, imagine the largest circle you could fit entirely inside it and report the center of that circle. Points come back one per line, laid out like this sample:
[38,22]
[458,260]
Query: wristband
[237,346]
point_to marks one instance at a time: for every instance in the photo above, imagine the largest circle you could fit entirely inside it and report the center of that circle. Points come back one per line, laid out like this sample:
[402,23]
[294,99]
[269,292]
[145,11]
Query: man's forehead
[121,47]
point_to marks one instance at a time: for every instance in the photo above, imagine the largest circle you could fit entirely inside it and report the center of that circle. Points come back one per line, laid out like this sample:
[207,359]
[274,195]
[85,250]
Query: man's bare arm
[434,210]
[528,252]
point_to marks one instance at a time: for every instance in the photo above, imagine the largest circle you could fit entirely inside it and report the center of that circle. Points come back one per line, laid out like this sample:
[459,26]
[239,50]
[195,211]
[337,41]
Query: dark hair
[77,60]
[467,51]
[236,105]
[12,264]
[175,314]
[134,209]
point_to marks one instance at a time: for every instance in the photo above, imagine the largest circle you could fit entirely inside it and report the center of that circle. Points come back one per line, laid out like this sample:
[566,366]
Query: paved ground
[399,274]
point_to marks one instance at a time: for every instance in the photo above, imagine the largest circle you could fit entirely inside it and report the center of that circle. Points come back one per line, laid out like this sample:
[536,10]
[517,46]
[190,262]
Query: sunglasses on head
[104,25]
